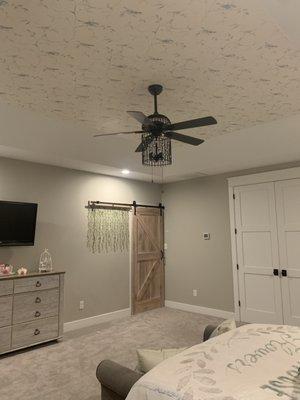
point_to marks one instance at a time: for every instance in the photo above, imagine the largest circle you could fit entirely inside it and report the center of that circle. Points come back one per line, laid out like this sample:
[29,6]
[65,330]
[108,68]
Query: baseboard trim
[198,309]
[97,319]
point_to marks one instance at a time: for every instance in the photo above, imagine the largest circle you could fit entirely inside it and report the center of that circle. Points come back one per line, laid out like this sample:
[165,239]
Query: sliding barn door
[257,254]
[288,217]
[148,275]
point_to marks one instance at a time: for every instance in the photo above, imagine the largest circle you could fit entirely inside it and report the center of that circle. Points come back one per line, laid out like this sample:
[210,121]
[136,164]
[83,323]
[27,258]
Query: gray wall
[193,207]
[102,281]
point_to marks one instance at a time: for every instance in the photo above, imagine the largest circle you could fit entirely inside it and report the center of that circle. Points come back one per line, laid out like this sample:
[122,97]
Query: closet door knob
[284,272]
[275,272]
[38,300]
[37,332]
[37,314]
[38,284]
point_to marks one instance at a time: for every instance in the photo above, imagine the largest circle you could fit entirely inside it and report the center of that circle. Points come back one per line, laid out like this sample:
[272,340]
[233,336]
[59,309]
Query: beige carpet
[66,370]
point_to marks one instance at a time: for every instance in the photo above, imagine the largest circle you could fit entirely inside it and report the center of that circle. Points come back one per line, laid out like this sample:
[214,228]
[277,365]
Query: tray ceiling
[92,60]
[89,61]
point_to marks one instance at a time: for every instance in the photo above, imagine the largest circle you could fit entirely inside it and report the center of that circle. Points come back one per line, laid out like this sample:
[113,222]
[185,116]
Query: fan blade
[141,117]
[144,144]
[193,123]
[184,138]
[140,148]
[117,133]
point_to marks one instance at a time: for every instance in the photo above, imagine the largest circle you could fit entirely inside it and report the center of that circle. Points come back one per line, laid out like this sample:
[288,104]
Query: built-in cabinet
[31,310]
[265,222]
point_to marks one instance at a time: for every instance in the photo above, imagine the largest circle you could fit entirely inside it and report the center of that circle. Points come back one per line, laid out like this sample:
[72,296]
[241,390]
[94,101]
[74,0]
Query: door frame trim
[236,294]
[244,180]
[271,176]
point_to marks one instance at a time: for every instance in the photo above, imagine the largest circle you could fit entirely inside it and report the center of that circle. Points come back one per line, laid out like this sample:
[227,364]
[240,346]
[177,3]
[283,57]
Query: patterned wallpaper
[91,60]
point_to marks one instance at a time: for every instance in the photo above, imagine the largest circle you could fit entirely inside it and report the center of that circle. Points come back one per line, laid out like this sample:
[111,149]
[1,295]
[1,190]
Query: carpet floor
[66,370]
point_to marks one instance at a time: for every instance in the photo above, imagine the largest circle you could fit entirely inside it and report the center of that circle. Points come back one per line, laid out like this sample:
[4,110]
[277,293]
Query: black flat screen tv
[17,223]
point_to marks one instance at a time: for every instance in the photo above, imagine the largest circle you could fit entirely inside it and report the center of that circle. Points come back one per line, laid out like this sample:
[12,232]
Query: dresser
[31,309]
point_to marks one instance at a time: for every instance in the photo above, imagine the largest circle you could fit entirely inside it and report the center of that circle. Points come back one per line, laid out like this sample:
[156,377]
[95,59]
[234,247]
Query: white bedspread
[253,362]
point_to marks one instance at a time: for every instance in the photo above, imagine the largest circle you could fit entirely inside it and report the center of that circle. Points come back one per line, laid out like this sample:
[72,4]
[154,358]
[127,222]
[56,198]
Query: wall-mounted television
[17,223]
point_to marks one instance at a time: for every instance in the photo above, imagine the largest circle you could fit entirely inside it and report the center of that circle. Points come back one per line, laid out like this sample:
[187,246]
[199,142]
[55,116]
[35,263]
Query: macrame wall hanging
[108,229]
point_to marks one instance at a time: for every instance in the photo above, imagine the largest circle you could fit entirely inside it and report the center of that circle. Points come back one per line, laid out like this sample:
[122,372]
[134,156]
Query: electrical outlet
[195,292]
[81,305]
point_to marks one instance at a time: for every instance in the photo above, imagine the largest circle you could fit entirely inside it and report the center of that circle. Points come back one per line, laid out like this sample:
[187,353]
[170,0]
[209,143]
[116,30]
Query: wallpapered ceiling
[91,60]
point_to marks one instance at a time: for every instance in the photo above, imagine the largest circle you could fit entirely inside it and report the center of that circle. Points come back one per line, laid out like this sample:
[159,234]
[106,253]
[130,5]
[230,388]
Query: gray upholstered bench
[116,380]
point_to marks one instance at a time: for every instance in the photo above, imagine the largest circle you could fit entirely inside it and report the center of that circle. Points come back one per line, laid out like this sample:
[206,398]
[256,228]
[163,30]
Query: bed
[252,362]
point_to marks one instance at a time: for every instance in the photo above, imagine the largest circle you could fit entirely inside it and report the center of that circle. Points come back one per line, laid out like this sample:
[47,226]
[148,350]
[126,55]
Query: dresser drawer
[35,305]
[5,310]
[36,283]
[5,339]
[34,332]
[6,287]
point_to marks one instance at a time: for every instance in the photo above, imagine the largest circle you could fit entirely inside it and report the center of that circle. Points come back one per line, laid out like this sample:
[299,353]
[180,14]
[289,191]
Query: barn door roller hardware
[121,206]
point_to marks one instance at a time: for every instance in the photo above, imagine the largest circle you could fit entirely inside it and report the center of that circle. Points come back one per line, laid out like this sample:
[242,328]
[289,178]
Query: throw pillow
[147,359]
[225,326]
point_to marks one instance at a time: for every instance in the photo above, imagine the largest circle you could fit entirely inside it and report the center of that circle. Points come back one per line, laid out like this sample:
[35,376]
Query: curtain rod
[134,204]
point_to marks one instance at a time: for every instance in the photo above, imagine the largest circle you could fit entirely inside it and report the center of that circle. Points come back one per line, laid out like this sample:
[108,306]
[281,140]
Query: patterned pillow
[225,326]
[147,359]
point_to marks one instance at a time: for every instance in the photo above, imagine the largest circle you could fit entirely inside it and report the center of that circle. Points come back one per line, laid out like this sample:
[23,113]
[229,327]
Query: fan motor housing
[160,122]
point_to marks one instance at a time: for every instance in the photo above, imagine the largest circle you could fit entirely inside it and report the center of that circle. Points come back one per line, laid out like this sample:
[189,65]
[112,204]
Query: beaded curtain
[108,230]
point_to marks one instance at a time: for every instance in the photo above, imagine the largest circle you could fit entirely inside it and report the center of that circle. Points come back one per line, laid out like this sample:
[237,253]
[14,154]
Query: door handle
[275,272]
[283,272]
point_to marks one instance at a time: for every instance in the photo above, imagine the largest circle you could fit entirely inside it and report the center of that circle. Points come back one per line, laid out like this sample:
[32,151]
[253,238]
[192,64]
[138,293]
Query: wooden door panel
[148,233]
[147,261]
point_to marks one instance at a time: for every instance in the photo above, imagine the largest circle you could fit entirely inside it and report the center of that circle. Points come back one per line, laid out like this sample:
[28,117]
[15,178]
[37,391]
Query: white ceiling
[70,68]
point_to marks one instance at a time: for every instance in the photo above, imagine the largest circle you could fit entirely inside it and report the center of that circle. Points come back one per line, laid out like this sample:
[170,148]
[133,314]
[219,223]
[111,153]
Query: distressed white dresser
[31,309]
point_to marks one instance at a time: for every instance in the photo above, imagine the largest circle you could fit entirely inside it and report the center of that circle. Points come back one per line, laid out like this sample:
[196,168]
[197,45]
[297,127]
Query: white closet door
[257,253]
[288,221]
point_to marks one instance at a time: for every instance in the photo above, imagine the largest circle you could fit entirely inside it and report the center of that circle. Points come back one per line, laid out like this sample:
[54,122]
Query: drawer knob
[37,332]
[37,314]
[38,300]
[38,284]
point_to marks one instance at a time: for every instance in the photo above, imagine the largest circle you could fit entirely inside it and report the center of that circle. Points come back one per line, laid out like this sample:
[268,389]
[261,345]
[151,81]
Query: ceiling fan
[156,125]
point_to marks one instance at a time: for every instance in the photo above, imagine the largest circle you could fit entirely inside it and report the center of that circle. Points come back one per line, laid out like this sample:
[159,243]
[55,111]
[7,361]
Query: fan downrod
[155,89]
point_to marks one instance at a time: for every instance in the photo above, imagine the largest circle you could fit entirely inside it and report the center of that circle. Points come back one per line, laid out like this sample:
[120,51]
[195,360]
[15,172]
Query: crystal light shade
[157,152]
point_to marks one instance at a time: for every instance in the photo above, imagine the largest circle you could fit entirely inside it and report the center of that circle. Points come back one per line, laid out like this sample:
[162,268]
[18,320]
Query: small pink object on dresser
[6,269]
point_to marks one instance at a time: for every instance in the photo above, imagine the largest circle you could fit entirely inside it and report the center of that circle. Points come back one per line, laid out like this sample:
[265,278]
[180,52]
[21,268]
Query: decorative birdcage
[45,264]
[157,152]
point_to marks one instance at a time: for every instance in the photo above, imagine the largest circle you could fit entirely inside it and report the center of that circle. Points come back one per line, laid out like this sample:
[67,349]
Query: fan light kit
[157,152]
[157,132]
